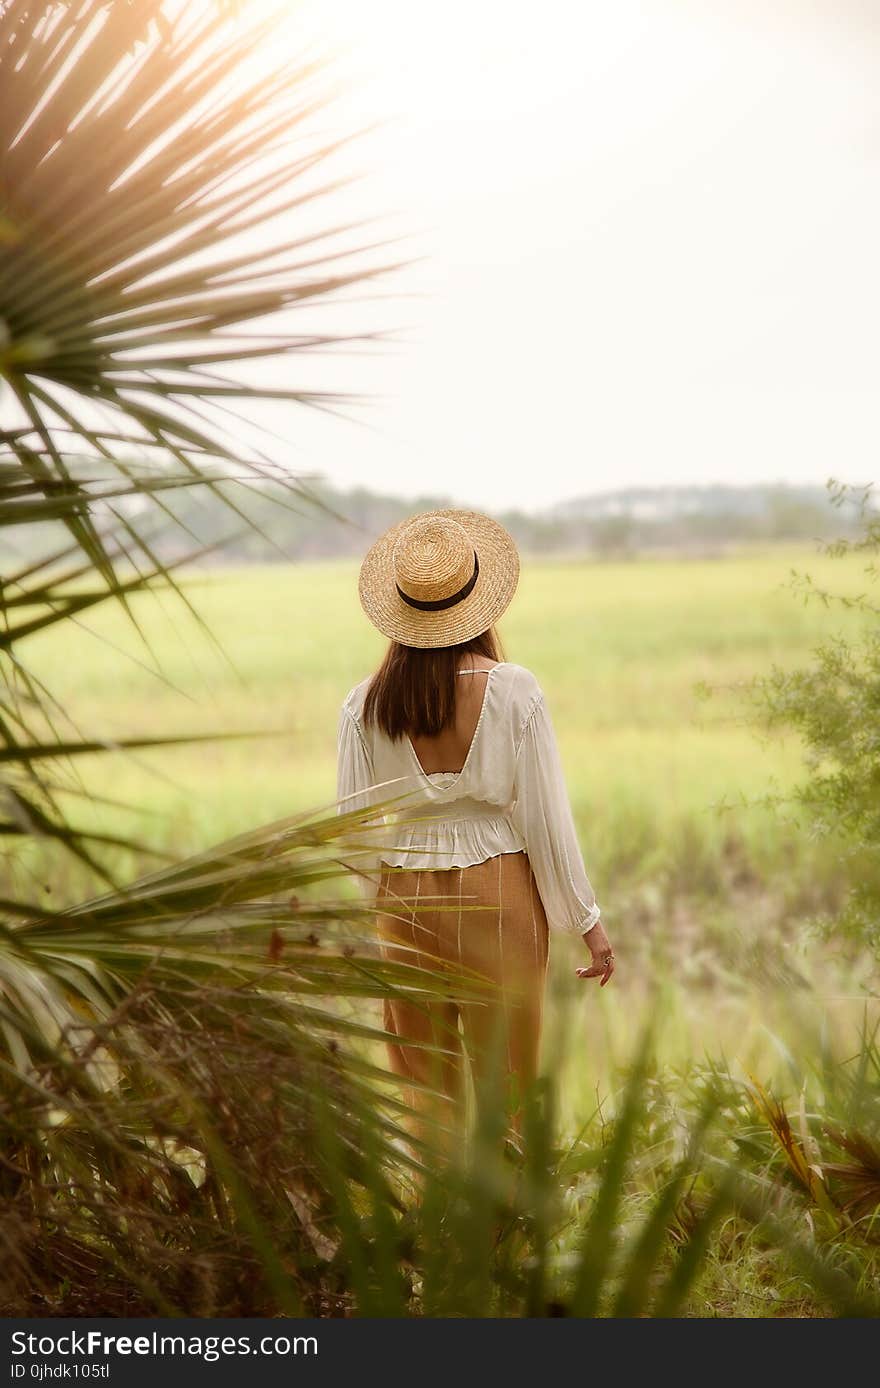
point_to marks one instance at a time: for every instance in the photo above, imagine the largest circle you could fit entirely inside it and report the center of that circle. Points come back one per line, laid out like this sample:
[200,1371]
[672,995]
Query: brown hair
[413,691]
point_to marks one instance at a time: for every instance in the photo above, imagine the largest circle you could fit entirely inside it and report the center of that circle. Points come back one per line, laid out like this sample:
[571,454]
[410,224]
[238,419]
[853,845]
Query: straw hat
[439,578]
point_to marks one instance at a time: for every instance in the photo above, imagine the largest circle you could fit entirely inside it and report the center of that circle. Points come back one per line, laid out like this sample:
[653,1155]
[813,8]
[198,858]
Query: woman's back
[473,760]
[448,751]
[490,784]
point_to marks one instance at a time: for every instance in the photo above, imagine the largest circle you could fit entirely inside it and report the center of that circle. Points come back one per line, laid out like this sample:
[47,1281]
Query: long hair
[413,691]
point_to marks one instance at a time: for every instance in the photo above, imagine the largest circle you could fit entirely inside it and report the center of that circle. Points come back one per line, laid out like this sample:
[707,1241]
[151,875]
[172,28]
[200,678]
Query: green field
[705,890]
[619,649]
[657,775]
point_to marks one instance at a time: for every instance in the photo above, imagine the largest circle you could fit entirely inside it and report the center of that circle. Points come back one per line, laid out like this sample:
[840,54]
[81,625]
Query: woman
[481,852]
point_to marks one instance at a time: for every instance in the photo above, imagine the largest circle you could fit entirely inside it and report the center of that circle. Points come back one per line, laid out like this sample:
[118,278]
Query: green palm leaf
[153,185]
[138,172]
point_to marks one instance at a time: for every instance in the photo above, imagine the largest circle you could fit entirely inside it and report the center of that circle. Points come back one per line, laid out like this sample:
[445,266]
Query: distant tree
[834,705]
[613,535]
[791,516]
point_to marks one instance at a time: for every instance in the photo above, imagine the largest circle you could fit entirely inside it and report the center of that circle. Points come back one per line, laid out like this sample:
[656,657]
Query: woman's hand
[599,946]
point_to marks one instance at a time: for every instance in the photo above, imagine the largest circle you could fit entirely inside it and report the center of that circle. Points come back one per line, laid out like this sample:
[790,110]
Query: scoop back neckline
[453,775]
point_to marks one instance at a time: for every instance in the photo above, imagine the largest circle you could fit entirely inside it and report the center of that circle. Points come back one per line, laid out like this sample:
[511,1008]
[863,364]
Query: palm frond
[156,228]
[139,172]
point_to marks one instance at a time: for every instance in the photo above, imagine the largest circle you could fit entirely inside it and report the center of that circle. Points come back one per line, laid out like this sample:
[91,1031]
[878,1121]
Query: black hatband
[443,603]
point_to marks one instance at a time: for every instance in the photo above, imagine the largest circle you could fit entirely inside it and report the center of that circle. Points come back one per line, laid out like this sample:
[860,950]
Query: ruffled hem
[450,844]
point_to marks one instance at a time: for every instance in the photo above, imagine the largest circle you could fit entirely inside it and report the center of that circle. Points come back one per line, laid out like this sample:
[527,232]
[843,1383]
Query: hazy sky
[649,235]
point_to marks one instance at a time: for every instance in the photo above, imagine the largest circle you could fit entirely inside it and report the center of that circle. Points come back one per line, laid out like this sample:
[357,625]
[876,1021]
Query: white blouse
[510,796]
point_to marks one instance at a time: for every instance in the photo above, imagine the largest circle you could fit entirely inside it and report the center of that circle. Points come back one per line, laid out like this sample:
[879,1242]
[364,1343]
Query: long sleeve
[355,791]
[542,813]
[354,774]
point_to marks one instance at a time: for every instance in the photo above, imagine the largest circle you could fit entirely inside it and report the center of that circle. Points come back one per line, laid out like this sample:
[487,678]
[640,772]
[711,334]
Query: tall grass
[684,1195]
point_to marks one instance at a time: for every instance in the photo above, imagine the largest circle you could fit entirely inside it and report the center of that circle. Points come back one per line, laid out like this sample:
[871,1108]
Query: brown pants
[486,920]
